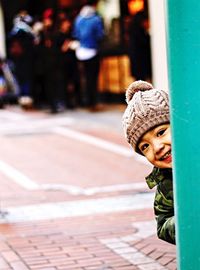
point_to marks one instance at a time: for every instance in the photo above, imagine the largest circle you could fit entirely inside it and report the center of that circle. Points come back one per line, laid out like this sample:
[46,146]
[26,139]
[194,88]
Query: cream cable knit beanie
[147,108]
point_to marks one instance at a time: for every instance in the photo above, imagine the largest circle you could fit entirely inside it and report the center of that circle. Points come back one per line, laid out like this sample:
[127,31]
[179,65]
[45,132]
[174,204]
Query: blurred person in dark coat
[68,75]
[139,47]
[46,62]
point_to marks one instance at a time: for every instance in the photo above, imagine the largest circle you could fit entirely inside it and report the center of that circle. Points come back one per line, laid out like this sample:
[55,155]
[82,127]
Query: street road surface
[73,194]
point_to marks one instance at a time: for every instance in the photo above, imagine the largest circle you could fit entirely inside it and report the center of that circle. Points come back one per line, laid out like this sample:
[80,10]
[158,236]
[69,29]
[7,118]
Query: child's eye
[161,132]
[143,147]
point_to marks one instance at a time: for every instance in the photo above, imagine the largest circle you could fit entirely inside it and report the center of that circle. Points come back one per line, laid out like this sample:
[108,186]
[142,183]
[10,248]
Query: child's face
[155,145]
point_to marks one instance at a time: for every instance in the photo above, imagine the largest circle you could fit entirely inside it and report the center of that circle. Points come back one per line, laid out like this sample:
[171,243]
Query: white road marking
[18,177]
[109,146]
[75,190]
[123,246]
[26,183]
[33,126]
[114,188]
[76,135]
[72,190]
[78,208]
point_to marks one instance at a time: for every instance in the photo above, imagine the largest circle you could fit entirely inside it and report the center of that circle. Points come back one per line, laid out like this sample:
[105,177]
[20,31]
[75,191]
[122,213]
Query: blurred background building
[115,73]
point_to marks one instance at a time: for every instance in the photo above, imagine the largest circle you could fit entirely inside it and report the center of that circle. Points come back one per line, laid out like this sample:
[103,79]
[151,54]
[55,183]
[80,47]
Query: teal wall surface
[183,43]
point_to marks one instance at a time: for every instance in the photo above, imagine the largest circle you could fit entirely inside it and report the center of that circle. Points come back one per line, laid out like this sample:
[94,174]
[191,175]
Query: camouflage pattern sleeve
[164,212]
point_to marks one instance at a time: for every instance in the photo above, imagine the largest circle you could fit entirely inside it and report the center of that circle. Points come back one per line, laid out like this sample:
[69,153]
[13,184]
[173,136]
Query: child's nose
[158,146]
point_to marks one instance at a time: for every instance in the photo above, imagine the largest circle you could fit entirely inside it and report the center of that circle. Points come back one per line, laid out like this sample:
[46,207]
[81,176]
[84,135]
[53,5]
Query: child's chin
[167,165]
[164,165]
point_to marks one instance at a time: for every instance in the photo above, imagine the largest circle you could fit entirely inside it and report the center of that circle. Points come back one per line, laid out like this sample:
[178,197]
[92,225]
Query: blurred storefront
[115,73]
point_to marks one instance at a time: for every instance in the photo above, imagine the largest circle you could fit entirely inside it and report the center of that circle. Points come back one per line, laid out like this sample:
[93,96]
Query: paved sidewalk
[93,242]
[86,209]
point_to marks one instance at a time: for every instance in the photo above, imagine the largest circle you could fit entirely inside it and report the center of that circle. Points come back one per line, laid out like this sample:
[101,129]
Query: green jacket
[163,203]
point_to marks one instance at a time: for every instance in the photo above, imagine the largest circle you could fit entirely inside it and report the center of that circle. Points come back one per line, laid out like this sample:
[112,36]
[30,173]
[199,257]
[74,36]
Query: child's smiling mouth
[166,156]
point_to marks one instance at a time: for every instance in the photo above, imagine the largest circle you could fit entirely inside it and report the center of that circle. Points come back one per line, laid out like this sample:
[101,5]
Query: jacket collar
[157,175]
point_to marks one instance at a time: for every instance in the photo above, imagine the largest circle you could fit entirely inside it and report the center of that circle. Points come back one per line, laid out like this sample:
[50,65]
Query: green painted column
[183,43]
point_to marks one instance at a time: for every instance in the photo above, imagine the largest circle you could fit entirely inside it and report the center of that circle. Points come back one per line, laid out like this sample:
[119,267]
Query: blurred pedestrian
[146,123]
[68,68]
[139,46]
[40,27]
[3,85]
[9,88]
[89,31]
[20,51]
[46,62]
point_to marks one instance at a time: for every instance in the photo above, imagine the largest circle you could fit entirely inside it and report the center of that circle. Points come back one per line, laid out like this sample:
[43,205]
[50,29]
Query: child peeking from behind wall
[146,123]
